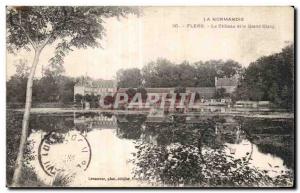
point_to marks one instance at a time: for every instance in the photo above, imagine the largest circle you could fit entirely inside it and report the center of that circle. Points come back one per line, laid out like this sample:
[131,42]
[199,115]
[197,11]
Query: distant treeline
[164,73]
[269,78]
[51,88]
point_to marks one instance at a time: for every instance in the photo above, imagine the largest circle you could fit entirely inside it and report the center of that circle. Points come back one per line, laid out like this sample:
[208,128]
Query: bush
[186,165]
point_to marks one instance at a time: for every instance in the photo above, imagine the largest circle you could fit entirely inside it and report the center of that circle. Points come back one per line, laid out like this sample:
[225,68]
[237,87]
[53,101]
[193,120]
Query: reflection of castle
[148,128]
[96,122]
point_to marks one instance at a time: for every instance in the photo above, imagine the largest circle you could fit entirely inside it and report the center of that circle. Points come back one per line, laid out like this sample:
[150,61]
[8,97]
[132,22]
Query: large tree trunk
[25,123]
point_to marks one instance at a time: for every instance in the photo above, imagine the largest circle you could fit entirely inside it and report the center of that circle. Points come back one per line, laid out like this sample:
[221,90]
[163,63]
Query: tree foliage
[67,27]
[194,155]
[129,78]
[221,93]
[164,73]
[184,165]
[46,89]
[270,78]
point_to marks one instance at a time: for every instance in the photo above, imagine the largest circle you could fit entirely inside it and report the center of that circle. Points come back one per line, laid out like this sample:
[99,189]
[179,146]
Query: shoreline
[274,114]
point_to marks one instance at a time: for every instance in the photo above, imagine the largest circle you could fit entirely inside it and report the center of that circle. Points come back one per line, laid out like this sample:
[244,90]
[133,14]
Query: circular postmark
[64,152]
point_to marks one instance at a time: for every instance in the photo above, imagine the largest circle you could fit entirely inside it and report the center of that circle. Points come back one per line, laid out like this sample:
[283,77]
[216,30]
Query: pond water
[101,149]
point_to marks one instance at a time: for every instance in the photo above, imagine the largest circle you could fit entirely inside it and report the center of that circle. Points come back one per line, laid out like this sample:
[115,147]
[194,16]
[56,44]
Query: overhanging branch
[25,32]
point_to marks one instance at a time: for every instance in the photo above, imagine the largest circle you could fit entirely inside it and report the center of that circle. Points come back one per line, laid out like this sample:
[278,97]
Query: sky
[135,41]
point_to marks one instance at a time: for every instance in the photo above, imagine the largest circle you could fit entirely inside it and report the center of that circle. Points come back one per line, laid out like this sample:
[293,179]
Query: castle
[100,87]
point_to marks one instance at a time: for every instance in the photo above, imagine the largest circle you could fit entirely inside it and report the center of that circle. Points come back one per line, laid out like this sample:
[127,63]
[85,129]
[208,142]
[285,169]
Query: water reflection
[171,150]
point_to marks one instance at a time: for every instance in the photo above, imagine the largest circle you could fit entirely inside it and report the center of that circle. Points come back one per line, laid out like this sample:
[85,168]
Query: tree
[178,91]
[270,78]
[22,69]
[94,101]
[149,74]
[207,71]
[143,92]
[205,74]
[229,68]
[164,73]
[161,73]
[78,98]
[16,85]
[34,28]
[221,93]
[129,78]
[130,93]
[186,74]
[65,89]
[46,89]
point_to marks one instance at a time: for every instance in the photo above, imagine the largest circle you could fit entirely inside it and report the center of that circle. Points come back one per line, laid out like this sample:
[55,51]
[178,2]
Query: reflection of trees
[54,138]
[187,134]
[130,127]
[194,154]
[274,136]
[41,122]
[50,122]
[186,165]
[286,153]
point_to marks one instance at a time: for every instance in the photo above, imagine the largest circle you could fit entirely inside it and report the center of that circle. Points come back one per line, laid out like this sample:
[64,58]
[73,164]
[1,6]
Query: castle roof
[100,83]
[151,90]
[159,90]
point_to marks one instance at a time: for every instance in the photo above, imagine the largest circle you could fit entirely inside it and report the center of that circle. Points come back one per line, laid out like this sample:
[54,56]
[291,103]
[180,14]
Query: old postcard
[114,96]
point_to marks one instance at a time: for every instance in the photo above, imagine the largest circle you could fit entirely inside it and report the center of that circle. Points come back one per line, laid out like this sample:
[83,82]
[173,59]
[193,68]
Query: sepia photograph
[150,97]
